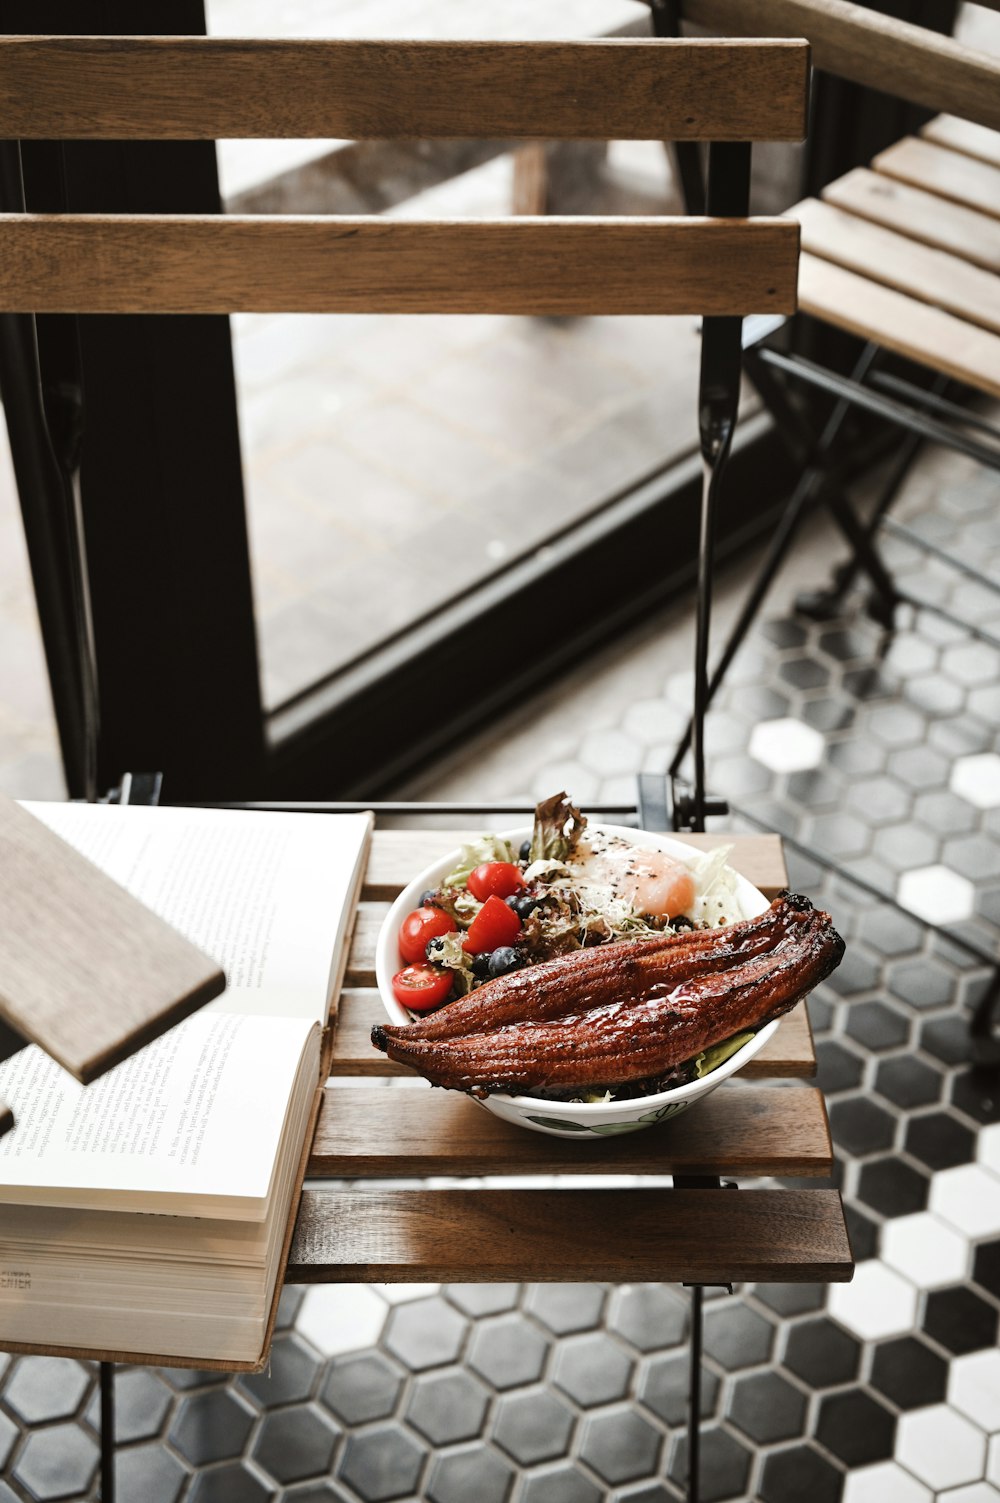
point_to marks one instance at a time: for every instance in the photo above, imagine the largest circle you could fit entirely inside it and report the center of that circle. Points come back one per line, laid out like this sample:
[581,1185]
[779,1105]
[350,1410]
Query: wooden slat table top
[373,1133]
[788,1053]
[398,855]
[950,174]
[704,1236]
[964,135]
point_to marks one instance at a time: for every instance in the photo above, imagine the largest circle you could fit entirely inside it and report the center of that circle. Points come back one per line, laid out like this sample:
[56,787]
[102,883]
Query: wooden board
[920,271]
[216,264]
[397,856]
[738,1130]
[928,335]
[949,174]
[788,1053]
[879,51]
[86,970]
[964,135]
[919,215]
[703,1236]
[197,87]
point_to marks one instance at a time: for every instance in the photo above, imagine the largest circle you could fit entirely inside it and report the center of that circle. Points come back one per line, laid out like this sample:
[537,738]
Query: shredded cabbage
[716,898]
[487,848]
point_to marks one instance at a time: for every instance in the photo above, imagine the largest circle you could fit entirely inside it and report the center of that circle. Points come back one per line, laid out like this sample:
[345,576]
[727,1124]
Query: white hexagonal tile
[878,1302]
[608,752]
[884,1483]
[968,1198]
[976,1492]
[652,721]
[988,1148]
[936,894]
[341,1317]
[974,1388]
[400,1294]
[786,745]
[977,779]
[925,1249]
[940,1447]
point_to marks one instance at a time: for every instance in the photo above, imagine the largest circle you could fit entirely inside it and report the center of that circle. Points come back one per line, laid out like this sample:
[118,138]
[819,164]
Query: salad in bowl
[585,979]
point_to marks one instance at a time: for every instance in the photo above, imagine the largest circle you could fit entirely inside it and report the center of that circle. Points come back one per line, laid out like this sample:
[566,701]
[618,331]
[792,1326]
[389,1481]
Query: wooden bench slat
[964,135]
[370,1132]
[398,855]
[703,1236]
[918,270]
[788,1053]
[224,264]
[882,52]
[214,87]
[927,335]
[950,174]
[919,215]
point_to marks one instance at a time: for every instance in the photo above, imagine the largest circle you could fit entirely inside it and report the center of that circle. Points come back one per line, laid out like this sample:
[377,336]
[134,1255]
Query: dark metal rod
[935,401]
[107,1385]
[900,530]
[694,1395]
[894,412]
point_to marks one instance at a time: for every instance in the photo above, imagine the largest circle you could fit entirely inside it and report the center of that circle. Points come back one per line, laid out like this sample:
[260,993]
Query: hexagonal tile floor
[878,753]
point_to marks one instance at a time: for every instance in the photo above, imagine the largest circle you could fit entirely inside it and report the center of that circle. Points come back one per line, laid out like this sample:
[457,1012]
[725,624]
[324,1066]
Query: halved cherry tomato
[495,879]
[495,924]
[420,926]
[421,987]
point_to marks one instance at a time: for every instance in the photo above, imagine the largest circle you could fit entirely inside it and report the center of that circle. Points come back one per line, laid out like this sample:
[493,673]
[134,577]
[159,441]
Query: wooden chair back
[207,88]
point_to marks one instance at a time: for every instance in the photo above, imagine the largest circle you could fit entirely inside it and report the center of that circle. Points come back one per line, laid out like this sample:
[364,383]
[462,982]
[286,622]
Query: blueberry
[481,967]
[503,960]
[522,904]
[525,852]
[428,899]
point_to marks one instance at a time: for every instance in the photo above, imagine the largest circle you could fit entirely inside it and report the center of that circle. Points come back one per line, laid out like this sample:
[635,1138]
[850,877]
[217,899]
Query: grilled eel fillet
[623,1011]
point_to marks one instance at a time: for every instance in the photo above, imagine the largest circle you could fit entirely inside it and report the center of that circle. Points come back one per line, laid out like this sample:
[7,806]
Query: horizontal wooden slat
[197,87]
[931,275]
[919,215]
[398,855]
[154,264]
[873,49]
[788,1053]
[950,174]
[964,135]
[674,1236]
[927,335]
[391,1134]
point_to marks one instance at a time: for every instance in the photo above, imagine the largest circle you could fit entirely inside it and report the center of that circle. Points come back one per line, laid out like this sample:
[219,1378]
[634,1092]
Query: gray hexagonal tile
[362,1388]
[210,1426]
[58,1461]
[663,1387]
[483,1299]
[150,1473]
[533,1425]
[382,1462]
[426,1333]
[477,1472]
[296,1442]
[736,1336]
[508,1351]
[288,1377]
[448,1407]
[648,1315]
[725,1464]
[566,1308]
[619,1445]
[46,1388]
[227,1483]
[142,1402]
[592,1369]
[562,1484]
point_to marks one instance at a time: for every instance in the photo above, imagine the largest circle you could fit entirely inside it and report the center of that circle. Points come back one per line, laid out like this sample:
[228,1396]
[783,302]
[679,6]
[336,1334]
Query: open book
[147,1215]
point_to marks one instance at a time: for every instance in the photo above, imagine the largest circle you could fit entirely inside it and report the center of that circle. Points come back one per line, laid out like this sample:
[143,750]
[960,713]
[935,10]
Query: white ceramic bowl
[560,1118]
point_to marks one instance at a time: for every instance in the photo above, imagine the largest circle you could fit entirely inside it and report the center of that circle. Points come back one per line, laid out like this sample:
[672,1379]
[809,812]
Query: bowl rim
[752,903]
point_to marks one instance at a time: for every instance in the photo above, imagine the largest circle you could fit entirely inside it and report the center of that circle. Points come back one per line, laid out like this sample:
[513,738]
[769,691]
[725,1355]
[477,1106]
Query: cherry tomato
[495,879]
[495,924]
[421,987]
[420,926]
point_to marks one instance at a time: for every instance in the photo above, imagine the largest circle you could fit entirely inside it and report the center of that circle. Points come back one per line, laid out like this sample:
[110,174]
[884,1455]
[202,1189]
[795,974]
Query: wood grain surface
[932,276]
[214,87]
[964,135]
[220,264]
[702,1236]
[789,1053]
[950,174]
[86,970]
[928,335]
[397,856]
[918,214]
[880,51]
[379,1133]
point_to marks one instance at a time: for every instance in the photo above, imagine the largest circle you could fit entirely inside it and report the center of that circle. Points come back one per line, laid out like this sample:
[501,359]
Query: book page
[265,894]
[198,1113]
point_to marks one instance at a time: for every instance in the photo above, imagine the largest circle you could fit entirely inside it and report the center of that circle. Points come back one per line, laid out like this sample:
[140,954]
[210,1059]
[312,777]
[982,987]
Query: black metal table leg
[107,1385]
